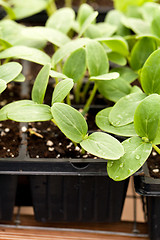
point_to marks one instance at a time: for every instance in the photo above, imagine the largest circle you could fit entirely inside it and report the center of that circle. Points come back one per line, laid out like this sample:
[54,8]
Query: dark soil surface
[95,3]
[154,164]
[49,142]
[9,139]
[12,93]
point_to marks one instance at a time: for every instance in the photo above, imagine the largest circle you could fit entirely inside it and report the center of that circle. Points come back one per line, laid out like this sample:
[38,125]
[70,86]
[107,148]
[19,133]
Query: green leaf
[15,34]
[136,153]
[150,74]
[23,9]
[61,90]
[97,60]
[102,121]
[126,73]
[70,121]
[75,65]
[103,145]
[117,58]
[116,44]
[105,77]
[67,49]
[10,71]
[84,11]
[51,35]
[3,85]
[55,74]
[138,26]
[61,20]
[115,89]
[30,113]
[101,29]
[123,5]
[123,111]
[147,118]
[141,51]
[11,106]
[114,18]
[40,84]
[26,53]
[87,23]
[19,78]
[155,28]
[149,11]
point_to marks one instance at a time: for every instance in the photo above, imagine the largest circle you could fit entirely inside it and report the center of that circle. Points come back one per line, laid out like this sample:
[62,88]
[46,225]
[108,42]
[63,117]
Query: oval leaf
[40,84]
[3,85]
[70,121]
[136,153]
[106,77]
[102,121]
[51,35]
[126,73]
[103,145]
[83,12]
[117,58]
[75,65]
[11,106]
[61,90]
[150,74]
[88,22]
[30,113]
[123,111]
[116,44]
[26,53]
[141,51]
[97,60]
[67,49]
[61,20]
[115,89]
[147,117]
[10,71]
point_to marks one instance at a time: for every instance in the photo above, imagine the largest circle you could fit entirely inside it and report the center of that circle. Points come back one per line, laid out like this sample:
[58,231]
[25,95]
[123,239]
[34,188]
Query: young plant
[136,115]
[69,120]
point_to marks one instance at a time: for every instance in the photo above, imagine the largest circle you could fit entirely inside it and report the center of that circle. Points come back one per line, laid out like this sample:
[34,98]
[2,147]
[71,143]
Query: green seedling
[69,120]
[137,116]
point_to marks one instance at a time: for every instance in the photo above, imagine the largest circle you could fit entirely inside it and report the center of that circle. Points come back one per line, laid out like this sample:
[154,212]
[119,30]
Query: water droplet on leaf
[121,165]
[138,157]
[110,164]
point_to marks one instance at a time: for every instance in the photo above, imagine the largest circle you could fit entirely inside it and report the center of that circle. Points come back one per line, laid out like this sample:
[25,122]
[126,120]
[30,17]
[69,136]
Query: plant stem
[156,148]
[85,90]
[68,100]
[51,7]
[77,91]
[68,3]
[89,101]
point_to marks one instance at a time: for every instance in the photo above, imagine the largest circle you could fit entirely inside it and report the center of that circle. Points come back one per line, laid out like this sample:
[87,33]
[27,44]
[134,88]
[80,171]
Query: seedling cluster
[89,57]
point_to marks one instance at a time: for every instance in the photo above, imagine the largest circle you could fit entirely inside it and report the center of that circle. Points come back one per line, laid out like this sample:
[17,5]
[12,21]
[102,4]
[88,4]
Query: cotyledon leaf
[102,121]
[136,153]
[103,145]
[70,121]
[123,111]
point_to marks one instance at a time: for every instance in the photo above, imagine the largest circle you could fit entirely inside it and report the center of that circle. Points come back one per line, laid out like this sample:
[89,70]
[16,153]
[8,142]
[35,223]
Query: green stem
[89,101]
[77,91]
[68,100]
[51,7]
[68,3]
[85,90]
[82,1]
[156,148]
